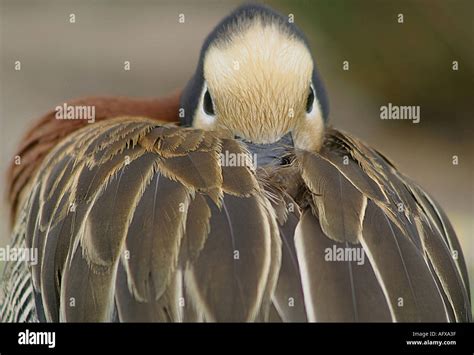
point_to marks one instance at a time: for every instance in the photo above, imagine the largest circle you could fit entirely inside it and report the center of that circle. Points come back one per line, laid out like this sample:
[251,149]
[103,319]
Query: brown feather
[409,248]
[338,202]
[230,276]
[147,219]
[48,132]
[407,282]
[336,291]
[288,299]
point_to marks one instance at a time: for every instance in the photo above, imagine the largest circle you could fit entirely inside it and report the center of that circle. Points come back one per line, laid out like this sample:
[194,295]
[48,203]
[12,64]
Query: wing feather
[408,285]
[288,298]
[336,290]
[338,202]
[407,238]
[231,273]
[137,221]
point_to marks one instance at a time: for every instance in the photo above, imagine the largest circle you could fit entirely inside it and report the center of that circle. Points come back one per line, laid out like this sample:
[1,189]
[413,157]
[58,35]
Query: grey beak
[272,153]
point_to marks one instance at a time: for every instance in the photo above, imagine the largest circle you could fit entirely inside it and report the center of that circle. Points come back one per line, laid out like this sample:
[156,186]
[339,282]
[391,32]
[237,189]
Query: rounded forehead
[259,80]
[261,51]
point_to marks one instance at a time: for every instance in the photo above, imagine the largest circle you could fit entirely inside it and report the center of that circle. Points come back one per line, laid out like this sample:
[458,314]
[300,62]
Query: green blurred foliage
[406,64]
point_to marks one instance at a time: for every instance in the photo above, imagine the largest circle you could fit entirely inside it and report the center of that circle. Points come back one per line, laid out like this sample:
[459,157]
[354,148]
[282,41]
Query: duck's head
[256,80]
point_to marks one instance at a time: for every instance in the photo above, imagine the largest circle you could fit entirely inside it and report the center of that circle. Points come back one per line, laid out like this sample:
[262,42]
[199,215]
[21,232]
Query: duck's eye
[310,101]
[285,161]
[207,104]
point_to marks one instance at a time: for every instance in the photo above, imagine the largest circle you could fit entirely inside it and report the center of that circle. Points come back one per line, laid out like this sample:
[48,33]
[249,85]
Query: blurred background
[407,63]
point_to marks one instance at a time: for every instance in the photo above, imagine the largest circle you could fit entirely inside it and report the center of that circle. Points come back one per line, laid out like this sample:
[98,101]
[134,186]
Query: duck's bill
[272,153]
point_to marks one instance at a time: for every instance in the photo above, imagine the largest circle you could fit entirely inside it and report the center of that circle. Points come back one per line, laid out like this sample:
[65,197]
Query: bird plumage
[48,131]
[130,223]
[138,219]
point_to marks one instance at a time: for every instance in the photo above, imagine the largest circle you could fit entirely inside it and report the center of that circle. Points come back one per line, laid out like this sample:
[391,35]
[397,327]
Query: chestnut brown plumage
[47,132]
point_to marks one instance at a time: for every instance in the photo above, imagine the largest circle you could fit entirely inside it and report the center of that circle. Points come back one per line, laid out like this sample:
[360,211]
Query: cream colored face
[259,81]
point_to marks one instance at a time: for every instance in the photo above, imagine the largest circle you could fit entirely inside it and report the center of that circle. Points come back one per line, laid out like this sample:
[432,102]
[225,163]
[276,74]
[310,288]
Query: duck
[141,216]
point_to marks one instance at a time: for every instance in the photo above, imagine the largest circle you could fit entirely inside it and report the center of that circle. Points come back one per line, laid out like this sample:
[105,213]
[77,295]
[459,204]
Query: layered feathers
[136,220]
[131,216]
